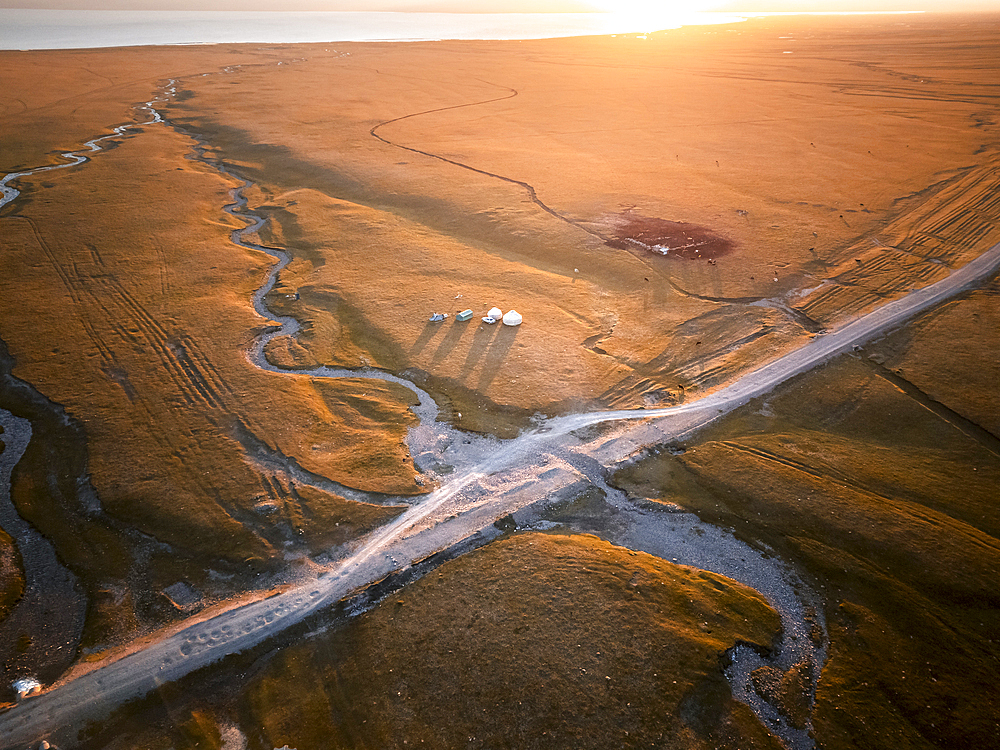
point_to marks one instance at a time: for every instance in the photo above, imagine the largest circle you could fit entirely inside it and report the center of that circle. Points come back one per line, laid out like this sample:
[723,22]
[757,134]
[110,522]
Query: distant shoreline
[32,29]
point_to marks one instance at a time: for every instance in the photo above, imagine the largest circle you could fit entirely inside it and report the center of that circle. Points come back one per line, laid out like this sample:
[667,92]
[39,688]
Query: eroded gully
[486,480]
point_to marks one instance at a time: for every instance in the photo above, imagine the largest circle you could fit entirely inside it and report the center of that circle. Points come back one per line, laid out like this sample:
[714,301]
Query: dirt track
[394,546]
[482,489]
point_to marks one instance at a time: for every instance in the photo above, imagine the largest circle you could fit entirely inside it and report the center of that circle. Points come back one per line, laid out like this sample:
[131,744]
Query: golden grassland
[52,101]
[536,640]
[886,494]
[125,303]
[952,356]
[849,157]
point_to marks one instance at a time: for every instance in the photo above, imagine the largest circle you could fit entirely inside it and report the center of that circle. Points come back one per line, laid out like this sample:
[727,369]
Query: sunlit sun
[647,15]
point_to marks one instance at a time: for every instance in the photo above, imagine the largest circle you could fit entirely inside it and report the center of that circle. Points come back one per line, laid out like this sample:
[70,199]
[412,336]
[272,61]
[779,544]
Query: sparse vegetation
[892,511]
[534,641]
[162,458]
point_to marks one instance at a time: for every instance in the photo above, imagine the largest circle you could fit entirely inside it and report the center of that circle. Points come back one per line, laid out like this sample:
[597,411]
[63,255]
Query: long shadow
[449,341]
[425,336]
[480,343]
[496,354]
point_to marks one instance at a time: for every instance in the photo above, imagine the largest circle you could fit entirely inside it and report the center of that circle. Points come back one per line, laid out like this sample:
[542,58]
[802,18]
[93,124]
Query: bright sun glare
[653,14]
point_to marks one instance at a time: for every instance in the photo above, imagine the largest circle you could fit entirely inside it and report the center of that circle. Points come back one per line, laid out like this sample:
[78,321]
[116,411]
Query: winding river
[489,479]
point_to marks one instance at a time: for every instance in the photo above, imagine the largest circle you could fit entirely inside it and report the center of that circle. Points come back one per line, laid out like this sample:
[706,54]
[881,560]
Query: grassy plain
[534,641]
[537,640]
[885,492]
[842,160]
[839,162]
[125,303]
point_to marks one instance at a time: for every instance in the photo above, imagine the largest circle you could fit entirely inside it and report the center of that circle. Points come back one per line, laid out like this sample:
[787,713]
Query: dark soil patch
[669,239]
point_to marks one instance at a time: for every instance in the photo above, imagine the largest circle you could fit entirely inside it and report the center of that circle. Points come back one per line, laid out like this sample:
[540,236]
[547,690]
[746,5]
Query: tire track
[527,187]
[468,489]
[107,294]
[76,288]
[829,473]
[161,261]
[58,267]
[172,355]
[208,371]
[960,422]
[936,227]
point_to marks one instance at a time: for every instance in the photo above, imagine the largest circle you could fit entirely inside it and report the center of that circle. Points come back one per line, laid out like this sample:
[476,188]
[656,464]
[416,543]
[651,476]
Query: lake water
[61,29]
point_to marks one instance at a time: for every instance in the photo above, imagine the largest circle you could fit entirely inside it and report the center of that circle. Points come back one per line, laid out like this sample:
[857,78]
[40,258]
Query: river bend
[491,479]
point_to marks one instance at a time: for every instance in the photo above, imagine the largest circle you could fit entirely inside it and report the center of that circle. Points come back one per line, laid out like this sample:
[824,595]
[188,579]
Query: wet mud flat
[669,239]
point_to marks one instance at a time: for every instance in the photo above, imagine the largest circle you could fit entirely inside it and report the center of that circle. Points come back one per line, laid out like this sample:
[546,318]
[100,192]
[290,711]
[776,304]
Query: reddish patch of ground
[671,239]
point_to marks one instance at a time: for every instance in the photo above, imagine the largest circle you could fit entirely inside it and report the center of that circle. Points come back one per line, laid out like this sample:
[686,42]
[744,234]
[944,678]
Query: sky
[632,7]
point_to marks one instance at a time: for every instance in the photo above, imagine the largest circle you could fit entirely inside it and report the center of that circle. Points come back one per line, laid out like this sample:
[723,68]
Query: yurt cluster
[509,318]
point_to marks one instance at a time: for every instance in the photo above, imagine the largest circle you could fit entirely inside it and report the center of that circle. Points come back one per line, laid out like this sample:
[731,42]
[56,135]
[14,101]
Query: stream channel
[469,466]
[671,534]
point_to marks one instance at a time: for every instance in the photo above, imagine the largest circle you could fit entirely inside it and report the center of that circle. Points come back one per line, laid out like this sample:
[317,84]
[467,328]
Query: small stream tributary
[38,639]
[673,535]
[460,461]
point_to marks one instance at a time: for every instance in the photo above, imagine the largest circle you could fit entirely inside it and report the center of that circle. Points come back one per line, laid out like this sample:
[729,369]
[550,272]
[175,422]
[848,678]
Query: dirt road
[525,475]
